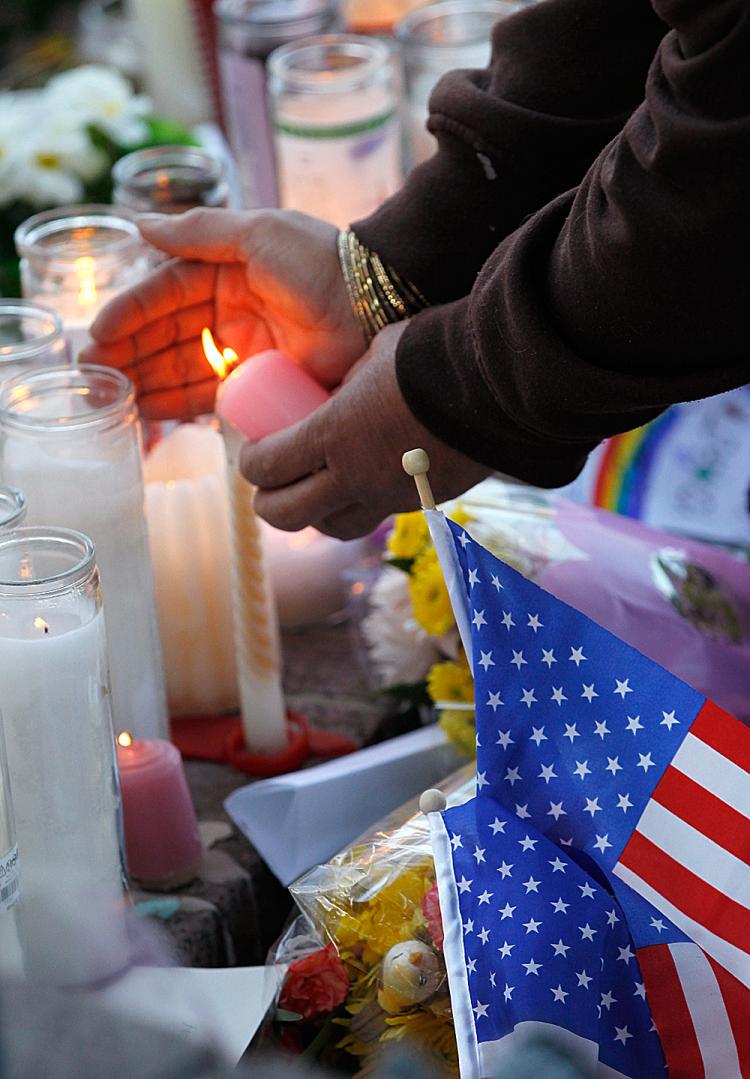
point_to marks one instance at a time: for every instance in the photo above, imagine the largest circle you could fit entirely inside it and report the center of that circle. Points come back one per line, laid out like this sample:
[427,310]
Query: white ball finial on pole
[432,801]
[416,463]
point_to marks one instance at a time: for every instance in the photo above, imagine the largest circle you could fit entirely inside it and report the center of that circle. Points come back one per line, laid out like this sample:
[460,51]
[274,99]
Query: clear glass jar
[249,31]
[76,258]
[439,38]
[375,16]
[12,508]
[30,336]
[11,957]
[169,180]
[70,440]
[334,103]
[58,732]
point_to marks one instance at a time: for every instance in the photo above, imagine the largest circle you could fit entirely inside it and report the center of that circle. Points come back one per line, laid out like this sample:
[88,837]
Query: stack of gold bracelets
[378,295]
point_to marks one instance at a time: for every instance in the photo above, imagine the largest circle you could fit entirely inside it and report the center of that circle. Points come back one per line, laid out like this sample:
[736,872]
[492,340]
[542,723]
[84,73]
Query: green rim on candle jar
[44,561]
[12,507]
[28,333]
[66,398]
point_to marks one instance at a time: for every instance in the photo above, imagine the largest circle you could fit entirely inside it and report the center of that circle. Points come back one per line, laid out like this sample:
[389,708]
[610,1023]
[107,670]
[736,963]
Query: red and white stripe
[701,1012]
[690,852]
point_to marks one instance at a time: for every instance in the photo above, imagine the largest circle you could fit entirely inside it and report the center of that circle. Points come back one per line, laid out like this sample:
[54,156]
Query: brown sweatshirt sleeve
[619,297]
[564,77]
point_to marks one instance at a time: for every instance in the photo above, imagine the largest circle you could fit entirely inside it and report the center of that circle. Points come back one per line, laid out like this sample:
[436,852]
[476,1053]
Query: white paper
[220,1008]
[303,819]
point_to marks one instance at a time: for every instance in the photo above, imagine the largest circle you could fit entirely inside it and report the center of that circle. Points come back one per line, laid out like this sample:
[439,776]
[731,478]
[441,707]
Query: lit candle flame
[39,623]
[125,738]
[222,361]
[85,268]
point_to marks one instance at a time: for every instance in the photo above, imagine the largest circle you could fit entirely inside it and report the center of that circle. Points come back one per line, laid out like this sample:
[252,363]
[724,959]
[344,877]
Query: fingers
[178,326]
[182,364]
[287,456]
[352,522]
[294,507]
[208,235]
[180,402]
[174,286]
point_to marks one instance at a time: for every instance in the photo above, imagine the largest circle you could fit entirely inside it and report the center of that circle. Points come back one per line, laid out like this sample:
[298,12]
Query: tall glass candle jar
[76,258]
[70,439]
[30,336]
[334,102]
[10,948]
[58,732]
[439,38]
[169,180]
[12,508]
[249,31]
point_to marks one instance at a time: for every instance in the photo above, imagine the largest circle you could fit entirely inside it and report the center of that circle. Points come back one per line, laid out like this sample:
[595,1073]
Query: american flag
[639,787]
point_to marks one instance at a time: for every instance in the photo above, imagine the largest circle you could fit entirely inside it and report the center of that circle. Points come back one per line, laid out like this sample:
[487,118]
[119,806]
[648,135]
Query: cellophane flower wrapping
[365,956]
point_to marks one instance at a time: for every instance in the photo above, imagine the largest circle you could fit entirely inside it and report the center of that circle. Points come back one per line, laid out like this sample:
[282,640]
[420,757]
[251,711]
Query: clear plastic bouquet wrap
[365,955]
[683,603]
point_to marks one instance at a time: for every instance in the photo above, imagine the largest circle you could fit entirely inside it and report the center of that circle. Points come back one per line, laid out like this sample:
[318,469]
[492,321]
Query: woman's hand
[340,469]
[258,279]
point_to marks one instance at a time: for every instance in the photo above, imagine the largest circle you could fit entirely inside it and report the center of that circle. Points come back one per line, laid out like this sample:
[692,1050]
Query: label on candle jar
[9,883]
[341,172]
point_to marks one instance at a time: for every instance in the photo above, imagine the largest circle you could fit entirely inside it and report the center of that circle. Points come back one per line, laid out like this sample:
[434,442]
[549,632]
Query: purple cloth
[682,603]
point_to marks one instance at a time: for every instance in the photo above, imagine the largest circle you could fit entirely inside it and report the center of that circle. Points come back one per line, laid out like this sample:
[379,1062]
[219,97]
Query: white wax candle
[103,498]
[58,731]
[186,496]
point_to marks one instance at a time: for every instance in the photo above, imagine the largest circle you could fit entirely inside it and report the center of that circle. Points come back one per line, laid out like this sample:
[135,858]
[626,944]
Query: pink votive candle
[267,393]
[161,831]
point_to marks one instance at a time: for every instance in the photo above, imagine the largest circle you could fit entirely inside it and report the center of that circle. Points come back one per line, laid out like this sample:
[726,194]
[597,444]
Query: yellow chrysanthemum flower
[429,596]
[409,536]
[460,729]
[460,516]
[450,681]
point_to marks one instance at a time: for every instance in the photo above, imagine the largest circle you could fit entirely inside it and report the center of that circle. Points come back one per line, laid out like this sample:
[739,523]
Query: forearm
[564,77]
[620,297]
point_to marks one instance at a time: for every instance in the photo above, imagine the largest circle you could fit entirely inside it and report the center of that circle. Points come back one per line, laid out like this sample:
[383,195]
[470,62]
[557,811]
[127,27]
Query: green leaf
[281,1015]
[405,564]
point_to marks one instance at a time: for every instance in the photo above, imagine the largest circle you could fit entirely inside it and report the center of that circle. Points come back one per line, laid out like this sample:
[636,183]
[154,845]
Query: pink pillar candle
[161,831]
[267,393]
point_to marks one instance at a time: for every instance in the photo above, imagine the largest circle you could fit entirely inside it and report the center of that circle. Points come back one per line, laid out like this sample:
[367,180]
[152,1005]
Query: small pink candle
[267,393]
[161,832]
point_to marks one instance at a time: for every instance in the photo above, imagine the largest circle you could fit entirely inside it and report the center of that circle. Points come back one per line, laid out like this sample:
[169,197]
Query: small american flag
[629,785]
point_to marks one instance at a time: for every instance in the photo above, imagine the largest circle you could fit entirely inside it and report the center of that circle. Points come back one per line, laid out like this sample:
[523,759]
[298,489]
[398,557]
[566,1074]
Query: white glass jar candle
[30,336]
[248,31]
[11,962]
[70,440]
[169,180]
[76,258]
[59,737]
[439,38]
[336,126]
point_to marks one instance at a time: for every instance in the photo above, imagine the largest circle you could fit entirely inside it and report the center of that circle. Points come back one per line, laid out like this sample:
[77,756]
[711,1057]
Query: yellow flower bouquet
[373,910]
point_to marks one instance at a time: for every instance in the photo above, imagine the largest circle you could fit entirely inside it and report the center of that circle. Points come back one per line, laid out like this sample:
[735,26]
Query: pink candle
[161,832]
[263,395]
[267,393]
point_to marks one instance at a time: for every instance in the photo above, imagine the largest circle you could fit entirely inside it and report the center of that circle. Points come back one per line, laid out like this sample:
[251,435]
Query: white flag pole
[416,463]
